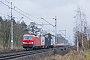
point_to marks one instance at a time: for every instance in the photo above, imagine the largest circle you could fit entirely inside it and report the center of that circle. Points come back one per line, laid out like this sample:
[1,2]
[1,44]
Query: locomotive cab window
[27,37]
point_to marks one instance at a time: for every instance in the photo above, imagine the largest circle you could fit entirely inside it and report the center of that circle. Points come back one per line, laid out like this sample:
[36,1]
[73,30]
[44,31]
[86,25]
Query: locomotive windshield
[27,37]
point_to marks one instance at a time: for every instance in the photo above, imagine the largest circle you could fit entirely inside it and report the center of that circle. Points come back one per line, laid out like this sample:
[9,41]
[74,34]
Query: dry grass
[88,54]
[72,55]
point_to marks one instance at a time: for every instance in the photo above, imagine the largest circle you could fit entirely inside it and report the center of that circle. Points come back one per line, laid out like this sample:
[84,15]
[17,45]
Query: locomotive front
[28,41]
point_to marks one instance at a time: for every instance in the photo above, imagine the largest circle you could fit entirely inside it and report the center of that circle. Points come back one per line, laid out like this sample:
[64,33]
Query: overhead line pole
[11,28]
[11,24]
[77,43]
[81,28]
[56,29]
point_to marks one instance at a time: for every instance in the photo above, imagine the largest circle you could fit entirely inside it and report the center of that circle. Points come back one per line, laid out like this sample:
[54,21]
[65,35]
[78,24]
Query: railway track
[12,55]
[22,53]
[11,51]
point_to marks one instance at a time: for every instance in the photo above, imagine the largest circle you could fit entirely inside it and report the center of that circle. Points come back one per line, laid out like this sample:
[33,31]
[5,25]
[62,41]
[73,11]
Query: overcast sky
[48,9]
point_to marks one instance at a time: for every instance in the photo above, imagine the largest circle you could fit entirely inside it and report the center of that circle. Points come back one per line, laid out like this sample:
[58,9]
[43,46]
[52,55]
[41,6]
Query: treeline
[81,30]
[5,33]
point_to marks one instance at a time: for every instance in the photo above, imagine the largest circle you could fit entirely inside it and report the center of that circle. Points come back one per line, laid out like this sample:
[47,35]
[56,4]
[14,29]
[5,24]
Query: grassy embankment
[72,55]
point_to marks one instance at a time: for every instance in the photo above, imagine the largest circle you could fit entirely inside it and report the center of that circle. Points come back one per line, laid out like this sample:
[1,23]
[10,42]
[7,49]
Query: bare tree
[33,28]
[81,28]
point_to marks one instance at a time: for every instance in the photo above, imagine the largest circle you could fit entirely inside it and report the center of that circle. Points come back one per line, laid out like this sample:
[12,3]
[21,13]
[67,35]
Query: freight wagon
[53,41]
[42,42]
[60,41]
[49,41]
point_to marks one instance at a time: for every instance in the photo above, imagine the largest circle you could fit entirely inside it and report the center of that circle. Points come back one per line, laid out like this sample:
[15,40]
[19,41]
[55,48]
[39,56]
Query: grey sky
[48,9]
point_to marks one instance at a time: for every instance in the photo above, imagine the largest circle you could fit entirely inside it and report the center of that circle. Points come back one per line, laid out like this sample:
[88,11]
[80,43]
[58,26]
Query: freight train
[30,41]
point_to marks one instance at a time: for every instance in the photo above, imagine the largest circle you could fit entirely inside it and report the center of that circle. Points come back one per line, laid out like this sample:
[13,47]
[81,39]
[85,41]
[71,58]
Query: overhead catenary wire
[47,22]
[7,1]
[29,14]
[26,13]
[5,4]
[21,10]
[22,14]
[64,34]
[16,10]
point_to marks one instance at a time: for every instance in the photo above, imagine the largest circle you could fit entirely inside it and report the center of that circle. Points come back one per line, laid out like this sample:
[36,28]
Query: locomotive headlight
[32,42]
[23,42]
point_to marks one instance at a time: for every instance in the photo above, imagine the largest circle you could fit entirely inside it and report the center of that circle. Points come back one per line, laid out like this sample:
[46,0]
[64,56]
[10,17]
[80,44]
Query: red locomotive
[31,41]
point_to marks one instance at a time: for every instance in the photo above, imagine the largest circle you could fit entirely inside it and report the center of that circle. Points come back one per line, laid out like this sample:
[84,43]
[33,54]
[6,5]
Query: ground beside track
[71,55]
